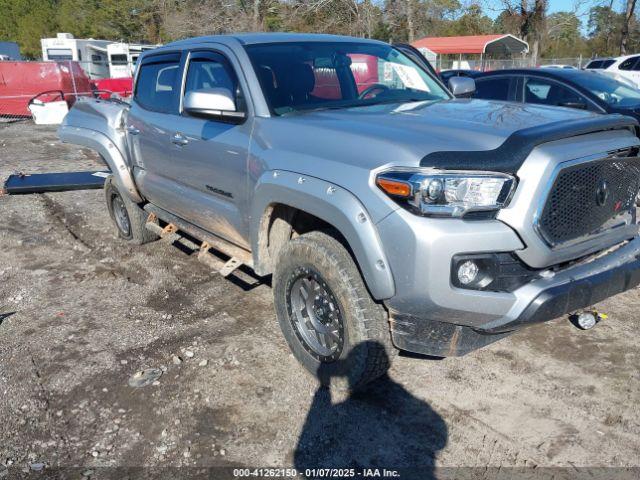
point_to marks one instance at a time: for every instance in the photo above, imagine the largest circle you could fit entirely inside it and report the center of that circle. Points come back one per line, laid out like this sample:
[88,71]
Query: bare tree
[256,15]
[411,31]
[624,38]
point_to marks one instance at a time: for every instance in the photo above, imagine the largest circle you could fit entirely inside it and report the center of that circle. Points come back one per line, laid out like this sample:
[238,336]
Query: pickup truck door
[213,152]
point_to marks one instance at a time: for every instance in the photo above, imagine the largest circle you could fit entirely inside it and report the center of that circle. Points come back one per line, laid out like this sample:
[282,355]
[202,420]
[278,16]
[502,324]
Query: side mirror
[462,86]
[214,103]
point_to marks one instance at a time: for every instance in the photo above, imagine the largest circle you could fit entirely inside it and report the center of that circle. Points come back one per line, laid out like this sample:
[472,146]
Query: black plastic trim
[432,337]
[499,272]
[510,156]
[576,295]
[438,339]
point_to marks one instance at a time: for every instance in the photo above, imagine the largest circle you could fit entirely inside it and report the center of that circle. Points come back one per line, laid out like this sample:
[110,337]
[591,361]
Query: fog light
[586,320]
[467,272]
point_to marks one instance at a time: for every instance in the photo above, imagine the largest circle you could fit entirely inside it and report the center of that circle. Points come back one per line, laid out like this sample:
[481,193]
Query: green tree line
[605,28]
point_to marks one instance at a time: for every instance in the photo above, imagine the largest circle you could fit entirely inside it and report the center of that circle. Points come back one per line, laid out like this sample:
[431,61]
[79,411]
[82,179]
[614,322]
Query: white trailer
[123,58]
[91,53]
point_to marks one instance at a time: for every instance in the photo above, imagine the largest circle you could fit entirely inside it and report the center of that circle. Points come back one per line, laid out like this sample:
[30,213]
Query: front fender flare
[109,151]
[334,205]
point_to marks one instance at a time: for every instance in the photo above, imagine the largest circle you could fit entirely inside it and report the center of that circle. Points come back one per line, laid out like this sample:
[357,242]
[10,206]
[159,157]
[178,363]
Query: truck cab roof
[270,37]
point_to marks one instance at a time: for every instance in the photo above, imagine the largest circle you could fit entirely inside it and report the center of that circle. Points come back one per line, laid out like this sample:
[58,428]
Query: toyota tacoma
[388,212]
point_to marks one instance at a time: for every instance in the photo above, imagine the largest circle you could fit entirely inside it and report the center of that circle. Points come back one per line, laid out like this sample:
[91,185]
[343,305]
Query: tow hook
[586,319]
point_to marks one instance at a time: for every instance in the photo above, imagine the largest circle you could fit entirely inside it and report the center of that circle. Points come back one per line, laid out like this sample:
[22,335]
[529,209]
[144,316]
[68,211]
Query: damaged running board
[22,184]
[172,233]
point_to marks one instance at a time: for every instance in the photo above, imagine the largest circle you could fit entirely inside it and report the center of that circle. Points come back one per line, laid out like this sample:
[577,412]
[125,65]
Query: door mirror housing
[462,86]
[213,103]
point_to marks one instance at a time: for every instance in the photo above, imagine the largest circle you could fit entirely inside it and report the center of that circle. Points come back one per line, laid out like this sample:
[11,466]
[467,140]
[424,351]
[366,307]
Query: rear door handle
[133,130]
[179,139]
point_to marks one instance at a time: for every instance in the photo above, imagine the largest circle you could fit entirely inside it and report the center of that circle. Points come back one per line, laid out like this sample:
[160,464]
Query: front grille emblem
[602,193]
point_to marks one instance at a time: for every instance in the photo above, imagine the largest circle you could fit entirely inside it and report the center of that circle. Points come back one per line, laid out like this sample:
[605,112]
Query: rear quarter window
[628,64]
[157,86]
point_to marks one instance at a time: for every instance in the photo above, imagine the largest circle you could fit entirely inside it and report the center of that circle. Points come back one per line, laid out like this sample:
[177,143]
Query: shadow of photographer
[379,426]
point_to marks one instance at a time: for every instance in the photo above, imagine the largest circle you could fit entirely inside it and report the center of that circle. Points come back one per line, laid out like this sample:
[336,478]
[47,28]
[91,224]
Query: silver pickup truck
[389,213]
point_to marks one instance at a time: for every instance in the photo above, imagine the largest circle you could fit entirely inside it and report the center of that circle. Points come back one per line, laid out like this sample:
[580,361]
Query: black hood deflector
[509,157]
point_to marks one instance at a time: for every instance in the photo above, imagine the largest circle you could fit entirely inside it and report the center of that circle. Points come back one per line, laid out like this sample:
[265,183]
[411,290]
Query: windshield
[611,91]
[301,76]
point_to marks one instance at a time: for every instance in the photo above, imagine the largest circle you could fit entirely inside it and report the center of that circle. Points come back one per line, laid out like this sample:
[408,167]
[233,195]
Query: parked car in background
[627,67]
[599,63]
[569,67]
[572,88]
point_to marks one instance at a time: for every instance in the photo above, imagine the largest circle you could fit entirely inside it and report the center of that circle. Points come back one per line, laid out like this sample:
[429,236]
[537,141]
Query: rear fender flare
[334,205]
[109,151]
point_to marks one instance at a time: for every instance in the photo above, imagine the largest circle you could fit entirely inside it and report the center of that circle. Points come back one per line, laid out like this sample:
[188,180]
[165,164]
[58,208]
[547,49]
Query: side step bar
[54,182]
[171,233]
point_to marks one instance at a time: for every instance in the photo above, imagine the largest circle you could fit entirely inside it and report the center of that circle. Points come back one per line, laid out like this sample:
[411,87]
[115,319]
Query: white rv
[123,58]
[92,54]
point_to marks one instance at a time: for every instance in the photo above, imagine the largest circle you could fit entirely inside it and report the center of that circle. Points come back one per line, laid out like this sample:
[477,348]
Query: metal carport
[491,45]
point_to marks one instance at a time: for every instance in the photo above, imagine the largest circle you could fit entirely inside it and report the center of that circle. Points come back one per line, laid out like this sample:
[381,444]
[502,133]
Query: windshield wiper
[319,109]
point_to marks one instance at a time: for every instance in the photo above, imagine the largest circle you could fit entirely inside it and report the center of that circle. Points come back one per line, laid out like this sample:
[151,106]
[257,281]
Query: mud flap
[21,184]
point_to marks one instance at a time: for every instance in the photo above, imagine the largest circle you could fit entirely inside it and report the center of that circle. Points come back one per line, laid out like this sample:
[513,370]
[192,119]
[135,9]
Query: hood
[632,110]
[403,134]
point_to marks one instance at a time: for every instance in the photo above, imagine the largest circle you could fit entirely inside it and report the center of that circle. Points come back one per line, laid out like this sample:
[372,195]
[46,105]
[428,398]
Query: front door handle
[179,139]
[133,130]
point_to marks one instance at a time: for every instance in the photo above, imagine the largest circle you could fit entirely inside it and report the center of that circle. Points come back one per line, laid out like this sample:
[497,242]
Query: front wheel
[332,325]
[128,217]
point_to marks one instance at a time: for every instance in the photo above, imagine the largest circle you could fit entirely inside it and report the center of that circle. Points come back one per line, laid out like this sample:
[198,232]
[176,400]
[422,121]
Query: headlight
[447,193]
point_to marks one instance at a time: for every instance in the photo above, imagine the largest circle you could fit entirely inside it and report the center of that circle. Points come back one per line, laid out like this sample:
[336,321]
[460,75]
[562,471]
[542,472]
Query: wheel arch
[284,200]
[98,125]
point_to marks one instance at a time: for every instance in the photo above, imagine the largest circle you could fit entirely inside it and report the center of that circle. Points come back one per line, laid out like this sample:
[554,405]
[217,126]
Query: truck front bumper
[431,316]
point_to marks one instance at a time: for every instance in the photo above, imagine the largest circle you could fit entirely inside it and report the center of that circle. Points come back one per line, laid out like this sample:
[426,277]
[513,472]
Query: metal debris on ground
[145,377]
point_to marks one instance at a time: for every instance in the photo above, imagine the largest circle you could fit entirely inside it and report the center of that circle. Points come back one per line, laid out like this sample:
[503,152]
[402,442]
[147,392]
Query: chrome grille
[589,198]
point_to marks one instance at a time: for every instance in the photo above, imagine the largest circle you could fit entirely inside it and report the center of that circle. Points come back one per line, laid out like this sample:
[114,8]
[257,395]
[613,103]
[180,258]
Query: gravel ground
[81,311]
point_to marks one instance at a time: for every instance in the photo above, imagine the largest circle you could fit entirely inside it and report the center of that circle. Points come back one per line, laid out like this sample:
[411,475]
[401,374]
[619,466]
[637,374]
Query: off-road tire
[136,215]
[367,350]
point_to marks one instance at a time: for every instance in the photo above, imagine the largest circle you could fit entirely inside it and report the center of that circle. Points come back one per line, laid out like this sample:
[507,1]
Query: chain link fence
[489,64]
[26,85]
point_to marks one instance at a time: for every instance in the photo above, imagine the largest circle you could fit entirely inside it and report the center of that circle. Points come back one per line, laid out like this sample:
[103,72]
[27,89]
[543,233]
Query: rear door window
[547,92]
[158,84]
[629,64]
[493,88]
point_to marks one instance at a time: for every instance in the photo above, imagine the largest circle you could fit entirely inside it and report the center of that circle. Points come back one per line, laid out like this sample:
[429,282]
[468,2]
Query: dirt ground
[81,311]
